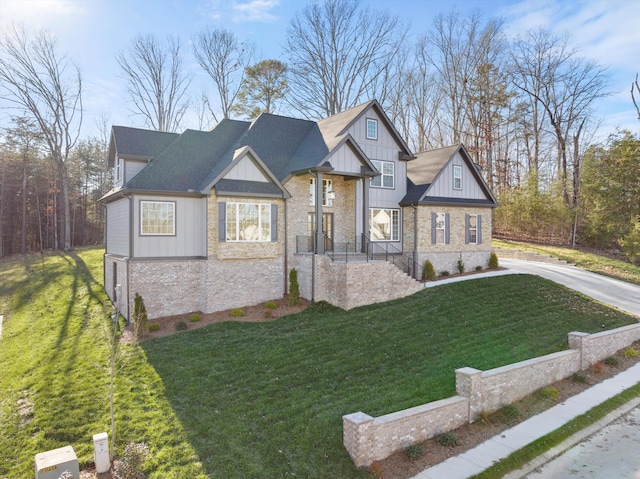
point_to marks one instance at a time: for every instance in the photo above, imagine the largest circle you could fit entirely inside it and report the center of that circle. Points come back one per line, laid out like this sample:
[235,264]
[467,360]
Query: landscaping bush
[181,326]
[630,353]
[153,327]
[597,368]
[194,318]
[612,361]
[270,304]
[237,313]
[478,268]
[428,272]
[294,288]
[414,452]
[268,313]
[448,439]
[444,273]
[140,318]
[493,261]
[550,393]
[580,378]
[460,265]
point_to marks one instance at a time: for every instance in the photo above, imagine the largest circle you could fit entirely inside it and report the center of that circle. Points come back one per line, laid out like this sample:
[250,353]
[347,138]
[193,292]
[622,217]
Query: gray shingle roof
[137,143]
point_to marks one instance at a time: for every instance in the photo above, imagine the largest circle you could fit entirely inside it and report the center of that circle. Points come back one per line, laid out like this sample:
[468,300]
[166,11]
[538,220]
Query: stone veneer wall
[349,285]
[444,257]
[168,287]
[368,439]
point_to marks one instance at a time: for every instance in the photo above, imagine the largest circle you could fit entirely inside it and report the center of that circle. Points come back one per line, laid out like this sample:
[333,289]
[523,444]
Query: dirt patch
[400,466]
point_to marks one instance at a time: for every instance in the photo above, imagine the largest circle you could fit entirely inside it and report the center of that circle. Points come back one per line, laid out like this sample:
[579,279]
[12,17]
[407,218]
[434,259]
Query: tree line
[524,107]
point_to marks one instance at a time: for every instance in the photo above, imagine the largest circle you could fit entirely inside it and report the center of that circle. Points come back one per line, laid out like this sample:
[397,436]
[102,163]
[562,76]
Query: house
[213,220]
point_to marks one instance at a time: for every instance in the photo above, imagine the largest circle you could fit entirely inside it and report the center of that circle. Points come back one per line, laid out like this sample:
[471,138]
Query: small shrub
[630,353]
[294,288]
[194,318]
[153,327]
[484,417]
[181,326]
[270,305]
[444,273]
[414,452]
[612,361]
[448,439]
[130,466]
[237,313]
[460,265]
[140,318]
[550,393]
[375,469]
[580,378]
[268,313]
[428,272]
[493,261]
[510,411]
[597,368]
[478,268]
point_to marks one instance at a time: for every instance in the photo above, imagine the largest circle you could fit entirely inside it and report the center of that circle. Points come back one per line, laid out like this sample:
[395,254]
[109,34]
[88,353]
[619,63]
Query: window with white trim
[457,177]
[441,228]
[473,229]
[372,129]
[118,169]
[384,224]
[157,218]
[248,222]
[327,186]
[386,178]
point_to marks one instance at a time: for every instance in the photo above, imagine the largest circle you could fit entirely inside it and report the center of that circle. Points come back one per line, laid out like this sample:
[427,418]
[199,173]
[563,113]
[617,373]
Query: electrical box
[51,464]
[101,452]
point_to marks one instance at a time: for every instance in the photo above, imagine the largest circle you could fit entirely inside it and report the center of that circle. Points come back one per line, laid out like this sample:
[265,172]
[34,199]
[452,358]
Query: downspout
[286,250]
[132,230]
[415,240]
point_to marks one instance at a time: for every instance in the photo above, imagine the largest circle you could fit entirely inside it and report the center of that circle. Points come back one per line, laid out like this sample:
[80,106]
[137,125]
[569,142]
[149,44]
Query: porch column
[365,210]
[319,234]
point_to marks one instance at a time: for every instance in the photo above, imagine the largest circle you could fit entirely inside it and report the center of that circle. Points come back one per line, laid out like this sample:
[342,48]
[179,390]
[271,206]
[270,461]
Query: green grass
[528,453]
[254,399]
[589,261]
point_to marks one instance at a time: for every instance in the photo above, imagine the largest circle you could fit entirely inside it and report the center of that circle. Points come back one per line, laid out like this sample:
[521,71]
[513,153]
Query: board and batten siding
[246,170]
[443,185]
[118,227]
[132,168]
[190,230]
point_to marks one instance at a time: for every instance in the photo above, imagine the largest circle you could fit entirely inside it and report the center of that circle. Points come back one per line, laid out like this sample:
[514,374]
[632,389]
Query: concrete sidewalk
[486,454]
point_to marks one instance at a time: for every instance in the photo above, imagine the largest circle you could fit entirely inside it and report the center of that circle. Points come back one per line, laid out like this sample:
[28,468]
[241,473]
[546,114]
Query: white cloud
[255,11]
[40,13]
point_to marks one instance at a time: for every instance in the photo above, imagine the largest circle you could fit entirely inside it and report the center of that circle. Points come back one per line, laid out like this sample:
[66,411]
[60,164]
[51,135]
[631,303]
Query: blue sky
[92,32]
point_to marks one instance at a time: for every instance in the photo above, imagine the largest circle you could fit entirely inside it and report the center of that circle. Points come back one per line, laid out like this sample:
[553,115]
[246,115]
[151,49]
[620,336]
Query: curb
[572,441]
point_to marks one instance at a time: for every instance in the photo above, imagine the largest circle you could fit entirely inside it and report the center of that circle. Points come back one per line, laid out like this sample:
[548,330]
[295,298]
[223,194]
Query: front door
[327,227]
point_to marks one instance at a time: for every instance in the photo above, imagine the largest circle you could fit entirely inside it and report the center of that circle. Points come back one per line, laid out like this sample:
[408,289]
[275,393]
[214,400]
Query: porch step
[527,256]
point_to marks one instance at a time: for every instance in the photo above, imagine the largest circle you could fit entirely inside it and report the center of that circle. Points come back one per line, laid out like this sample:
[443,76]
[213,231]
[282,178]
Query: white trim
[172,204]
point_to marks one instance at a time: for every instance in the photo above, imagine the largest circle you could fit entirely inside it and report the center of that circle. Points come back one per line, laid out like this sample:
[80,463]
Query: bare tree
[37,80]
[566,87]
[156,82]
[265,84]
[336,53]
[225,60]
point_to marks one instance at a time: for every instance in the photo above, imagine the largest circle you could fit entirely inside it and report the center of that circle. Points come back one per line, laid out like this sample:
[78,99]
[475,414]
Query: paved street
[612,452]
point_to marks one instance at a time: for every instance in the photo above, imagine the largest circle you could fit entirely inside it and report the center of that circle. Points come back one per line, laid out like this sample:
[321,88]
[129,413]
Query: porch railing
[362,249]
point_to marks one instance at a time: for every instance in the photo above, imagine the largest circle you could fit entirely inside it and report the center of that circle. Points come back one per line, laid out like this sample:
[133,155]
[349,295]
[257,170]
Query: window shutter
[222,222]
[479,227]
[274,222]
[433,228]
[466,228]
[446,228]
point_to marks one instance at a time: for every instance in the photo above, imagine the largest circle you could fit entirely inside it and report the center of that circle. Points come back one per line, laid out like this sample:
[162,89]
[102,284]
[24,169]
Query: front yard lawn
[253,400]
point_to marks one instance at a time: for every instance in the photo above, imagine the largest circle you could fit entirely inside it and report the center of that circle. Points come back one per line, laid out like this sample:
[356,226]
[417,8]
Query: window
[473,229]
[440,228]
[157,218]
[327,186]
[372,129]
[384,224]
[385,180]
[248,222]
[457,177]
[118,169]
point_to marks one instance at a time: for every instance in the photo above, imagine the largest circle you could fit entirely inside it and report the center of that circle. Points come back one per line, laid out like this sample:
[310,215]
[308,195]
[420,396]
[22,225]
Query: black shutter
[274,222]
[222,222]
[446,228]
[433,228]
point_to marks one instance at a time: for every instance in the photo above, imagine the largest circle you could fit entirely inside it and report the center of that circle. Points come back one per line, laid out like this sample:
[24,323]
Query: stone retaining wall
[368,439]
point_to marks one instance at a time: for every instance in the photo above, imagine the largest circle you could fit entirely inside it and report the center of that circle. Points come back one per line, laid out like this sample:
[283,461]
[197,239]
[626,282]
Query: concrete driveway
[625,296]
